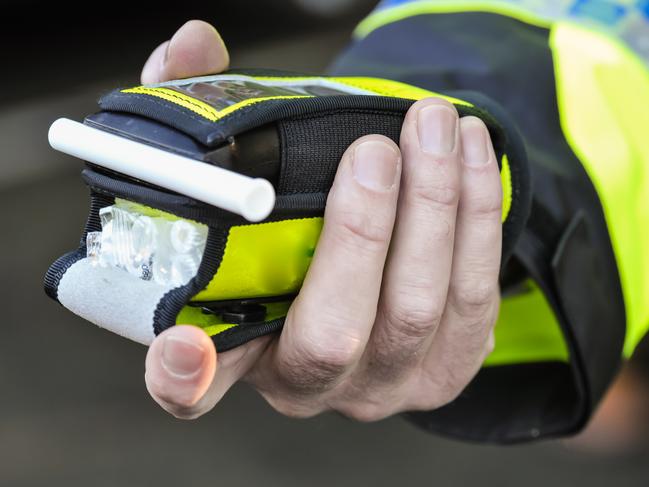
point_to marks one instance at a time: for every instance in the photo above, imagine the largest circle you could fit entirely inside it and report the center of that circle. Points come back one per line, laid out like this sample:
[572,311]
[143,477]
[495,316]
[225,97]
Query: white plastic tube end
[259,201]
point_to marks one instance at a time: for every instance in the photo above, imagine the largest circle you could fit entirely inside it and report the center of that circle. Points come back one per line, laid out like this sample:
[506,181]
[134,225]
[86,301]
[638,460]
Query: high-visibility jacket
[573,76]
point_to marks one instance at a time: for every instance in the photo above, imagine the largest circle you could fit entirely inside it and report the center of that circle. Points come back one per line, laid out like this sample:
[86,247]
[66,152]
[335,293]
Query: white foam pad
[112,298]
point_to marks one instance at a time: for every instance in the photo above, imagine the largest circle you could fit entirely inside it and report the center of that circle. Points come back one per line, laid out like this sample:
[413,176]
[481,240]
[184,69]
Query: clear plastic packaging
[153,248]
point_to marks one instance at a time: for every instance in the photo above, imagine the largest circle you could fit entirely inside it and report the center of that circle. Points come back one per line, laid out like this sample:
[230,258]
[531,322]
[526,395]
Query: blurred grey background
[73,407]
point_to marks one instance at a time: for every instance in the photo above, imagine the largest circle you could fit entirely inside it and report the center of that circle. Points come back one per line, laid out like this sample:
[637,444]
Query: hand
[392,316]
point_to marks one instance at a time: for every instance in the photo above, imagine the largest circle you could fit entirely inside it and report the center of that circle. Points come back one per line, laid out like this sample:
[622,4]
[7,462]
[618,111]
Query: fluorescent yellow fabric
[213,325]
[506,181]
[603,92]
[146,210]
[397,89]
[394,14]
[266,259]
[527,331]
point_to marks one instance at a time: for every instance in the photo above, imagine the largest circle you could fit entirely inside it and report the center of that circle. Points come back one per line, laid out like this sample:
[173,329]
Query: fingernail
[475,144]
[181,358]
[436,127]
[375,165]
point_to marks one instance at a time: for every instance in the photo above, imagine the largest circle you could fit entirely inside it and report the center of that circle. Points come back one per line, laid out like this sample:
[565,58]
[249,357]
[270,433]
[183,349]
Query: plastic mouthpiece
[252,198]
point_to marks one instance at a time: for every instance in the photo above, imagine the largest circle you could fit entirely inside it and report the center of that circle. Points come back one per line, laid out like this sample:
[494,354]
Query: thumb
[181,370]
[196,49]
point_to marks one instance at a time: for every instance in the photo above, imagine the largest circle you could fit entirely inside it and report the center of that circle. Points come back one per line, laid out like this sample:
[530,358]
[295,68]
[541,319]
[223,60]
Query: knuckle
[484,198]
[332,349]
[474,297]
[414,320]
[440,197]
[362,232]
[391,358]
[487,205]
[314,366]
[335,359]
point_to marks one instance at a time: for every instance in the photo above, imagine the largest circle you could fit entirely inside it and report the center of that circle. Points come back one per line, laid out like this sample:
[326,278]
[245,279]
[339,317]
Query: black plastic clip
[241,311]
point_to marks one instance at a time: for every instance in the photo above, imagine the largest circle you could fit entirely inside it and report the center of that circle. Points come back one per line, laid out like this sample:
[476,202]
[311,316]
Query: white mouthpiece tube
[251,198]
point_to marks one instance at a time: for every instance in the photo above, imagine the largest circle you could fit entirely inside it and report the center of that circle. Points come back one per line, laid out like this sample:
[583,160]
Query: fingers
[465,335]
[329,323]
[419,265]
[196,49]
[367,338]
[181,369]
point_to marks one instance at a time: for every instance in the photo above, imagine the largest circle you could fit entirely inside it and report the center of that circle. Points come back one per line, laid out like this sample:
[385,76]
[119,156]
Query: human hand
[397,309]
